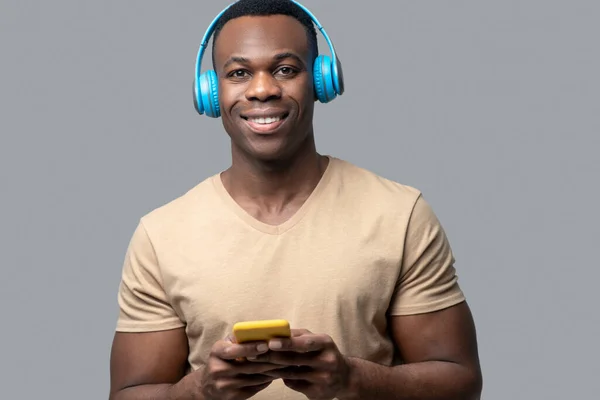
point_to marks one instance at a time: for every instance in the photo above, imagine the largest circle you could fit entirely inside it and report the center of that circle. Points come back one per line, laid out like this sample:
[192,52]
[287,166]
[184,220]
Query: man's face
[266,90]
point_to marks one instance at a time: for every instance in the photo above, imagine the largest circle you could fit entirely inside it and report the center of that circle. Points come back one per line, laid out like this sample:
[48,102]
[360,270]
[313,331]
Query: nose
[263,87]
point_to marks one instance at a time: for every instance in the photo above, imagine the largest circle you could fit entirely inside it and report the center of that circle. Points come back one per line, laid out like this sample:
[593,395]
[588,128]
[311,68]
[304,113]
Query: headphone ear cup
[209,94]
[318,81]
[323,79]
[197,97]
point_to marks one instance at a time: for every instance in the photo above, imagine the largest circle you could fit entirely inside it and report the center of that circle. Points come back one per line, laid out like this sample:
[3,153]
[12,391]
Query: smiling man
[358,264]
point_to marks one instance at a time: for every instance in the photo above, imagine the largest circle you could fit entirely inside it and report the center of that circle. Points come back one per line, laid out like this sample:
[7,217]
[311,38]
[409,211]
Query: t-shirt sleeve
[143,302]
[427,281]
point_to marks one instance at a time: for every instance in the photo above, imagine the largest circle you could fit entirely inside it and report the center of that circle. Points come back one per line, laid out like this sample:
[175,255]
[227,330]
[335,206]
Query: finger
[226,369]
[230,338]
[299,386]
[290,358]
[251,368]
[300,332]
[306,377]
[308,389]
[245,382]
[298,373]
[291,372]
[230,351]
[250,391]
[301,344]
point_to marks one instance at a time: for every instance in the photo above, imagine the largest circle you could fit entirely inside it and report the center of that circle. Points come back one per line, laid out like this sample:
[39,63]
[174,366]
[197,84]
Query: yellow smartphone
[250,331]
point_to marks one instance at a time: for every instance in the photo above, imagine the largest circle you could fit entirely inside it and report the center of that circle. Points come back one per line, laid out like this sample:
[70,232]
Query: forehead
[256,37]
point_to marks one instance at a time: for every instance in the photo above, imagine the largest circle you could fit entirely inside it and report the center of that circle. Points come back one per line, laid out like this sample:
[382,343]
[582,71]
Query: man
[358,264]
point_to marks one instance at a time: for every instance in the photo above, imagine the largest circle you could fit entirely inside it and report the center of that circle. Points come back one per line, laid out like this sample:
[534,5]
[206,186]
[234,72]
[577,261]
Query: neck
[274,184]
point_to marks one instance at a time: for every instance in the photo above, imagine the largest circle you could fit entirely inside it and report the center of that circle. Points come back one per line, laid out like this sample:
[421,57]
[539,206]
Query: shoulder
[375,190]
[181,210]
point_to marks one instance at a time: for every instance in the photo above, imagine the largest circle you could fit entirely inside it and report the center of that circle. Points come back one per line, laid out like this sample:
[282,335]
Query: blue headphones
[327,72]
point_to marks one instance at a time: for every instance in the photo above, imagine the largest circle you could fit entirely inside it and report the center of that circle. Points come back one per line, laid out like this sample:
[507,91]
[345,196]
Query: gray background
[490,108]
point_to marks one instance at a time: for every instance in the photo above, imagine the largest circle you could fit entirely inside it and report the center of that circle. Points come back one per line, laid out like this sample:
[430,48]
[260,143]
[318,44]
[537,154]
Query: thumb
[230,338]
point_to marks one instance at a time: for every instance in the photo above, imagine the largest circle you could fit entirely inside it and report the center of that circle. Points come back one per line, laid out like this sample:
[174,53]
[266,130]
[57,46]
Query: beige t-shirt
[360,249]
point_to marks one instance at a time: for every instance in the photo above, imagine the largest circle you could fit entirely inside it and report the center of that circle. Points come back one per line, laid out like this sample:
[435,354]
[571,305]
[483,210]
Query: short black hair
[265,8]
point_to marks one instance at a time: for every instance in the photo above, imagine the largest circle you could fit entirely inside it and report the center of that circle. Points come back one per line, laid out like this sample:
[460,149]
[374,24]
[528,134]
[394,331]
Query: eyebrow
[277,57]
[240,60]
[283,56]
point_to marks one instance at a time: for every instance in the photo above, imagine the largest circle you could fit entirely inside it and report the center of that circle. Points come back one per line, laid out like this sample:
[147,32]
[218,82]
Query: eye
[238,73]
[286,71]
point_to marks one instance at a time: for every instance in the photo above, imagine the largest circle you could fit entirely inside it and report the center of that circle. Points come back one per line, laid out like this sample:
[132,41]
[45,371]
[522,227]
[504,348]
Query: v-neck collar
[231,204]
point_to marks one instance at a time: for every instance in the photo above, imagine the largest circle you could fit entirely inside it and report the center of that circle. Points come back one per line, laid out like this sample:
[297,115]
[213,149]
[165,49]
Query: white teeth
[268,120]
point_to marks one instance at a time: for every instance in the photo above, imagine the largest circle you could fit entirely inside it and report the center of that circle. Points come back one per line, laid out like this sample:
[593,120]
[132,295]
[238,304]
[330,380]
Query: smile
[266,124]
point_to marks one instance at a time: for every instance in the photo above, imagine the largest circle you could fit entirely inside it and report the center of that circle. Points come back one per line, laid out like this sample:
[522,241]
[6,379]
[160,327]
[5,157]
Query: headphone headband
[339,84]
[206,38]
[329,80]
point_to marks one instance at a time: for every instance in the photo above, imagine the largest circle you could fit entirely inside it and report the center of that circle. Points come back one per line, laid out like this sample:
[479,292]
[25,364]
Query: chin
[277,146]
[269,155]
[267,147]
[270,151]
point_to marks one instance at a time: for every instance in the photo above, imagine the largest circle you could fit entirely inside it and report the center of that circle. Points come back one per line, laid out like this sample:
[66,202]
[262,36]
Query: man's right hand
[153,365]
[229,376]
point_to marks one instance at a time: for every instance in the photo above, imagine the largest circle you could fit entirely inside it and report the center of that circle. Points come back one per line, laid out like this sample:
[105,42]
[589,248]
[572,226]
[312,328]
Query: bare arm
[439,350]
[147,365]
[153,366]
[441,360]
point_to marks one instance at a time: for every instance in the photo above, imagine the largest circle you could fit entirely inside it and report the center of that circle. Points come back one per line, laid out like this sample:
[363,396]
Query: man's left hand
[314,364]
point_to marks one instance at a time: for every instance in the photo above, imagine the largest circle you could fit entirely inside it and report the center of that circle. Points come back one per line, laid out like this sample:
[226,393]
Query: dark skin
[264,63]
[263,69]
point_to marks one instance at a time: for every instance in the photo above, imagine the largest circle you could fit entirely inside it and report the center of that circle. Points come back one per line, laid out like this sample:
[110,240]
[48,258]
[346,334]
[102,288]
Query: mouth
[265,124]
